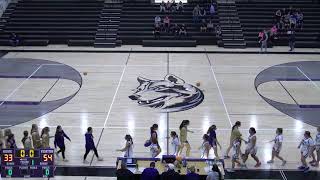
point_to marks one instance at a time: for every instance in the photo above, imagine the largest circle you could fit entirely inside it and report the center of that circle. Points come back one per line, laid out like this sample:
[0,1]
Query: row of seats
[256,16]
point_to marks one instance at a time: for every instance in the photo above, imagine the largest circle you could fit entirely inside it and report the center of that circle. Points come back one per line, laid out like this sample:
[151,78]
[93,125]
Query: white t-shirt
[212,175]
[175,145]
[235,150]
[154,150]
[129,152]
[278,142]
[306,143]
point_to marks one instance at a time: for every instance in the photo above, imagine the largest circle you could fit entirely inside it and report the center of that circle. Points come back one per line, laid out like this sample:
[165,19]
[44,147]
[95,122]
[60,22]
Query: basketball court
[78,90]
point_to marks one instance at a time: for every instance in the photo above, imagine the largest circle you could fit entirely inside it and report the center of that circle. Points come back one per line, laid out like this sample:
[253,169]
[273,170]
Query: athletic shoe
[270,162]
[315,164]
[100,159]
[306,169]
[65,160]
[85,162]
[258,165]
[284,163]
[230,171]
[226,157]
[301,167]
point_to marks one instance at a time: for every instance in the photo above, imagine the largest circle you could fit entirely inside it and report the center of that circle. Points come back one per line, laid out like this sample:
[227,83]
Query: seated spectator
[195,14]
[274,32]
[286,21]
[182,30]
[299,16]
[210,26]
[168,6]
[175,29]
[192,175]
[215,174]
[179,7]
[203,27]
[170,174]
[162,6]
[202,13]
[173,6]
[212,10]
[14,39]
[166,22]
[156,31]
[150,173]
[157,20]
[218,31]
[293,20]
[123,173]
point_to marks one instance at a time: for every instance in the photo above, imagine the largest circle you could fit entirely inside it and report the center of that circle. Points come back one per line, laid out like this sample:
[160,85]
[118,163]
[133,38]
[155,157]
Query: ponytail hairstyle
[211,128]
[57,129]
[238,123]
[252,129]
[45,130]
[128,138]
[307,133]
[205,137]
[153,127]
[173,133]
[280,130]
[184,123]
[216,169]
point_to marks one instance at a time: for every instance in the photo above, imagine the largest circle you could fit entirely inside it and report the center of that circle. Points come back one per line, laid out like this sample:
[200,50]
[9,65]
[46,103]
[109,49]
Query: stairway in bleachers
[232,35]
[137,20]
[107,31]
[42,22]
[255,16]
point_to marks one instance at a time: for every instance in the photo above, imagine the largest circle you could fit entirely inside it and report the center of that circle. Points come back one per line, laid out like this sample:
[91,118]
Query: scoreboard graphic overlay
[27,163]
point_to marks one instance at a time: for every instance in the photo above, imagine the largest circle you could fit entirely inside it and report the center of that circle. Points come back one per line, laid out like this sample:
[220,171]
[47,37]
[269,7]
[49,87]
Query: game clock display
[27,163]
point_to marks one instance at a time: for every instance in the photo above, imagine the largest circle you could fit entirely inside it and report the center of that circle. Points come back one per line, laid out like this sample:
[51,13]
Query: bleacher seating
[137,20]
[255,16]
[39,22]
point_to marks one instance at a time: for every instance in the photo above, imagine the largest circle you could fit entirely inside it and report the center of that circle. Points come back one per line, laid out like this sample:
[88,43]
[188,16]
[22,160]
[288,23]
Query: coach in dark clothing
[124,174]
[170,174]
[150,173]
[192,175]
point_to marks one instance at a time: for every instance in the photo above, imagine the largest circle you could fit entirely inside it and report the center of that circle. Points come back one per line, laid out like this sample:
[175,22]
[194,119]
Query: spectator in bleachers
[195,14]
[287,20]
[173,6]
[175,30]
[182,30]
[202,13]
[11,142]
[26,140]
[150,173]
[212,10]
[192,175]
[215,174]
[203,26]
[292,38]
[218,31]
[274,32]
[210,27]
[123,173]
[180,7]
[168,6]
[278,16]
[293,20]
[263,35]
[162,6]
[170,174]
[166,22]
[299,16]
[14,39]
[156,31]
[157,20]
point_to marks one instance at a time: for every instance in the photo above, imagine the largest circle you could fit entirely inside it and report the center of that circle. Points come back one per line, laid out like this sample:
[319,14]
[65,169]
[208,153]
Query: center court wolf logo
[172,94]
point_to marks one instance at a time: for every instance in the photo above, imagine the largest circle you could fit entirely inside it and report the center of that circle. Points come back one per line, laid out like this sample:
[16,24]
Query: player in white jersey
[175,143]
[251,148]
[235,154]
[128,149]
[317,148]
[306,146]
[154,148]
[277,147]
[205,147]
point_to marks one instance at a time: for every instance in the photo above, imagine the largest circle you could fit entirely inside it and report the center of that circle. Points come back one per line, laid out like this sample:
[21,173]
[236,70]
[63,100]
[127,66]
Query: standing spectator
[182,31]
[157,20]
[263,40]
[90,146]
[192,175]
[11,142]
[36,141]
[210,26]
[123,173]
[180,7]
[215,174]
[26,140]
[128,148]
[59,141]
[292,38]
[166,22]
[195,14]
[162,7]
[150,173]
[45,138]
[170,174]
[212,10]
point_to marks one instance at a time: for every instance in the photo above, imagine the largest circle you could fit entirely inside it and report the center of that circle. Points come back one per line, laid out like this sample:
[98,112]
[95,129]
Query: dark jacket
[170,175]
[89,141]
[192,176]
[124,174]
[150,174]
[59,139]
